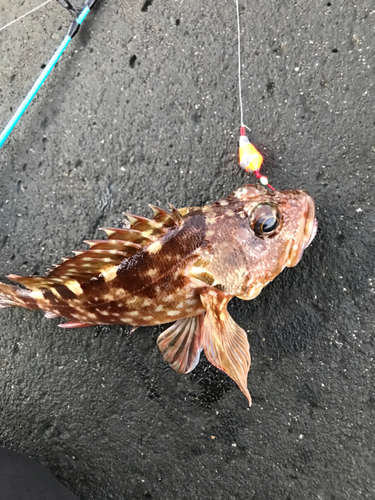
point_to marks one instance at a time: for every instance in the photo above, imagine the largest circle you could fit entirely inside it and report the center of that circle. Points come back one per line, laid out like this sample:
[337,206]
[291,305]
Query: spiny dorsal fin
[36,282]
[127,234]
[176,215]
[90,263]
[158,226]
[168,219]
[112,246]
[148,227]
[122,244]
[162,216]
[86,264]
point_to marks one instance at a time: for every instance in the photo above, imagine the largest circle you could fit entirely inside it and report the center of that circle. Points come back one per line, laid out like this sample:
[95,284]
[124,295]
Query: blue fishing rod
[73,29]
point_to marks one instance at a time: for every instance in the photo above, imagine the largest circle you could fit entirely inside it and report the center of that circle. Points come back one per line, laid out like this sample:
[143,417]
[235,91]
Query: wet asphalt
[143,108]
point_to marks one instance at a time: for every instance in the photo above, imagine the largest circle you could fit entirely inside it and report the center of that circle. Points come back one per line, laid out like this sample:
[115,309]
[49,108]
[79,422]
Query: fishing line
[72,31]
[249,157]
[27,13]
[239,61]
[239,65]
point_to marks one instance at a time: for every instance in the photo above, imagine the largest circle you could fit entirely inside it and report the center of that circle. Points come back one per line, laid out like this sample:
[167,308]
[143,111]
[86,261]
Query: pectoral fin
[224,342]
[180,344]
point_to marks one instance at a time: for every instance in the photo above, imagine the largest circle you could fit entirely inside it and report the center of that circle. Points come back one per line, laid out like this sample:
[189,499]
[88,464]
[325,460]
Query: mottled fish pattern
[182,265]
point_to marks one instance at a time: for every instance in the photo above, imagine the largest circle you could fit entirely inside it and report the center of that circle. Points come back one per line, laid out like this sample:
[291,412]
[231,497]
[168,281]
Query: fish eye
[265,219]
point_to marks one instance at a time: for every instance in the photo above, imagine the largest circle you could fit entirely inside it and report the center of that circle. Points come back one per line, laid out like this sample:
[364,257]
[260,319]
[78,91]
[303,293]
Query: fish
[183,265]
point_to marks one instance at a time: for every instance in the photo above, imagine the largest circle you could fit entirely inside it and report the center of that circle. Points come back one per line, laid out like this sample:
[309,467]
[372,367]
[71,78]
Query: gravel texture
[143,108]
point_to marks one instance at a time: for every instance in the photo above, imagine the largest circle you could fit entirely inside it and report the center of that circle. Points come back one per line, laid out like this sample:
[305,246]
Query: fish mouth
[306,233]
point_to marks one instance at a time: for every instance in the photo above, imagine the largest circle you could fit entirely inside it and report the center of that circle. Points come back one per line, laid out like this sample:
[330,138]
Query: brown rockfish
[182,265]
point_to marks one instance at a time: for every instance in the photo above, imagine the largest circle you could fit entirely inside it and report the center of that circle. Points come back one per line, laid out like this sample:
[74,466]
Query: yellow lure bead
[249,156]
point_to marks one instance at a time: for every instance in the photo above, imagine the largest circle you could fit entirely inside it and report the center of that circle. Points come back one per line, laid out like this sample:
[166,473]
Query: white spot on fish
[148,318]
[169,298]
[173,313]
[110,274]
[230,213]
[147,302]
[108,297]
[74,287]
[239,192]
[133,313]
[210,233]
[159,308]
[118,292]
[223,203]
[91,315]
[154,247]
[132,300]
[151,272]
[211,220]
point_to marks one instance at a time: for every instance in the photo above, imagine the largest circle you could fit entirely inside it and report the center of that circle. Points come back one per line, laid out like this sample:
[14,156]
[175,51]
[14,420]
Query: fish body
[182,265]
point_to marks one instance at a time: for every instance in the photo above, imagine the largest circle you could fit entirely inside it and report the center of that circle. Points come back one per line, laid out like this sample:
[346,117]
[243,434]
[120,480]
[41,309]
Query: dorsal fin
[36,282]
[127,234]
[148,227]
[168,219]
[177,217]
[122,243]
[85,265]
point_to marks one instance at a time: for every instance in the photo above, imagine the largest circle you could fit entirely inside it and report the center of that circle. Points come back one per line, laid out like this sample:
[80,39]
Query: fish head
[282,224]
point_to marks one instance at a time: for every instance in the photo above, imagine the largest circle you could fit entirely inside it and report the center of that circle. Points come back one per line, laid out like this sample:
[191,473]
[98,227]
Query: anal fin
[180,344]
[74,324]
[224,342]
[51,315]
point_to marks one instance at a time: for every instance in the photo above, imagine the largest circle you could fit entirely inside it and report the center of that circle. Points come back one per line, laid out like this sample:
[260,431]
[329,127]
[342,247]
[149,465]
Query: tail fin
[12,296]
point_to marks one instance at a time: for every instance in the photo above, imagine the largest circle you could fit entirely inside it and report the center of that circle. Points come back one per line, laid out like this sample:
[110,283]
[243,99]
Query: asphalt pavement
[143,108]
